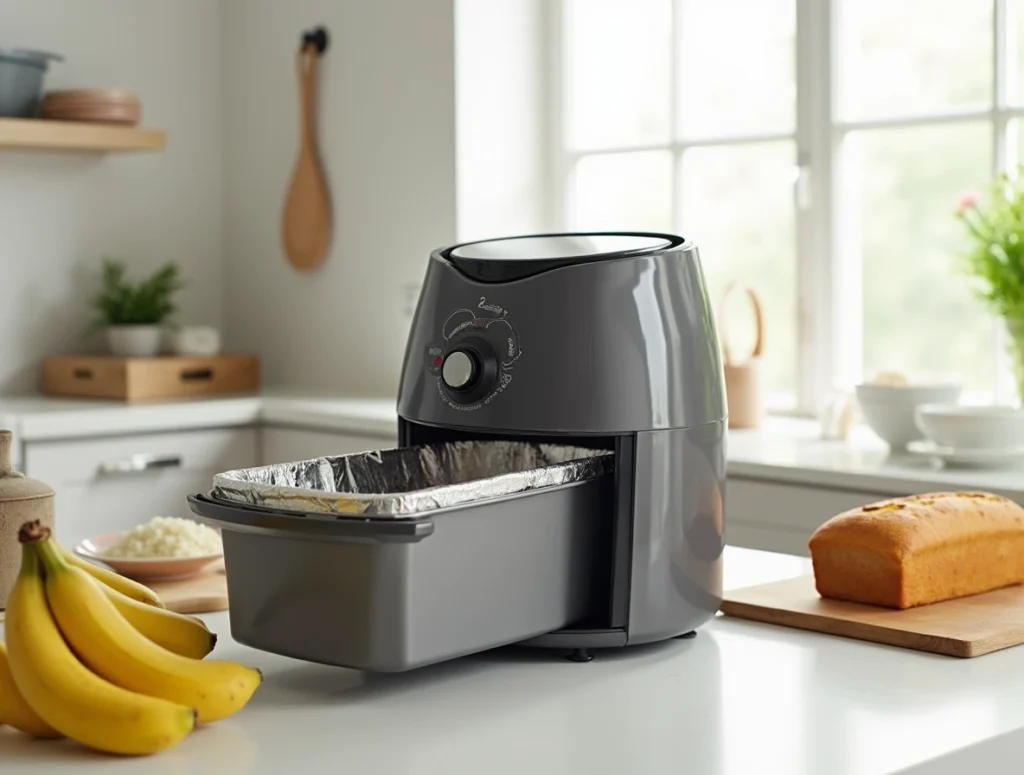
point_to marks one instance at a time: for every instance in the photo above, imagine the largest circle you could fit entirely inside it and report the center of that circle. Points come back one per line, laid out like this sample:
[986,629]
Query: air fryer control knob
[469,370]
[459,370]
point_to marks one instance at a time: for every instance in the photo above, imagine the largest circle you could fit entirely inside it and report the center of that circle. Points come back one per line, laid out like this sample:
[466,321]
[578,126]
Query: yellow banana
[184,635]
[108,644]
[64,693]
[13,708]
[122,584]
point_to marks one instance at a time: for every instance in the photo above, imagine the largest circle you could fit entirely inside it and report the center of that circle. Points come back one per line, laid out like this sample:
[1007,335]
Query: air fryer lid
[513,258]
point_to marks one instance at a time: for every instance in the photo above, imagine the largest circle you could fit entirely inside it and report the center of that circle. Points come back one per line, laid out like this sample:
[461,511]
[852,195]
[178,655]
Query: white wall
[500,92]
[387,140]
[60,214]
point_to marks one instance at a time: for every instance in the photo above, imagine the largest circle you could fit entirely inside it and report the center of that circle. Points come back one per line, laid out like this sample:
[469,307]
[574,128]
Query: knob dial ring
[469,370]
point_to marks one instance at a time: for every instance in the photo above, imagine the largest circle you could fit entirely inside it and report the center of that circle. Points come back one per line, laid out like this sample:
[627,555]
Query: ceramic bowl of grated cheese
[161,549]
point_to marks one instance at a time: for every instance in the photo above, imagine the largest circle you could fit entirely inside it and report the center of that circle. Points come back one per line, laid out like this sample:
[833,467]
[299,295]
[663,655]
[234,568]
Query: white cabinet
[780,517]
[283,445]
[111,484]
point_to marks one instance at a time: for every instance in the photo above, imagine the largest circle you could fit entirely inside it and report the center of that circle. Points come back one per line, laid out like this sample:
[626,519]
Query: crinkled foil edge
[313,486]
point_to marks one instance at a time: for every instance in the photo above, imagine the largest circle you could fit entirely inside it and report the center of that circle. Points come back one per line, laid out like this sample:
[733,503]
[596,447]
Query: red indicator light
[438,361]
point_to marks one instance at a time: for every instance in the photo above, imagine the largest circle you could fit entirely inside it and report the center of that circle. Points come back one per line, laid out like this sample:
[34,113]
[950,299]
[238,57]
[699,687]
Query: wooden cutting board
[202,594]
[966,627]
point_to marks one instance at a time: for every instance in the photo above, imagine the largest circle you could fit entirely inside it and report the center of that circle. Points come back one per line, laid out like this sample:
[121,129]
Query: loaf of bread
[921,549]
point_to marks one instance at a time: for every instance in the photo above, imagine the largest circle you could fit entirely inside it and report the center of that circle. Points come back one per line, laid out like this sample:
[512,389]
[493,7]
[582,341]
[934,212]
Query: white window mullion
[821,316]
[1003,80]
[560,176]
[806,202]
[724,140]
[966,116]
[675,63]
[680,146]
[577,153]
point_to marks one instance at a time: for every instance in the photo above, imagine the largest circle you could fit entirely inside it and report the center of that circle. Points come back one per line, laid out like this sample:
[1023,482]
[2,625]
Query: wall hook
[318,37]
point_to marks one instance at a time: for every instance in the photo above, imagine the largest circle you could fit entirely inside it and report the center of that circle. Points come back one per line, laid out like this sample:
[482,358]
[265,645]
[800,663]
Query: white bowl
[972,427]
[144,569]
[196,341]
[890,411]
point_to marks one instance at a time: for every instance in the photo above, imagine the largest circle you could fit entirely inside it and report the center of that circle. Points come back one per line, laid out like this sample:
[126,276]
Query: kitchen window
[814,149]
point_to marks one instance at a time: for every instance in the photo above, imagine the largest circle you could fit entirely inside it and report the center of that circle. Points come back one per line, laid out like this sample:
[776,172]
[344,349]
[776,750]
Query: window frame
[829,301]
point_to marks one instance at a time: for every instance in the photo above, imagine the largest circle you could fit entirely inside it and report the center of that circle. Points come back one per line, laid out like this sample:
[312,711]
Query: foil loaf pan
[406,482]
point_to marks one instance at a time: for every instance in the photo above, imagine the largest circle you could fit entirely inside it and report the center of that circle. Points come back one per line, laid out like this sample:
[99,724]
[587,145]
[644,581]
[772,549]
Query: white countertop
[742,698]
[39,418]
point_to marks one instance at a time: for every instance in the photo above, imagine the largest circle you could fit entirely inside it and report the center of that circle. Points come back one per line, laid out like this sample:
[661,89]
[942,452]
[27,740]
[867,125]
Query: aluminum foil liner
[405,482]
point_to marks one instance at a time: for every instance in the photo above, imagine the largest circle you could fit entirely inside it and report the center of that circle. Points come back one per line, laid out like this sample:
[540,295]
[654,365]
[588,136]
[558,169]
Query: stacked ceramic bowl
[889,408]
[971,436]
[104,106]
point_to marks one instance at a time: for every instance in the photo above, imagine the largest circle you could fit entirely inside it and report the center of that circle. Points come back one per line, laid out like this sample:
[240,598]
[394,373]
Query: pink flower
[966,201]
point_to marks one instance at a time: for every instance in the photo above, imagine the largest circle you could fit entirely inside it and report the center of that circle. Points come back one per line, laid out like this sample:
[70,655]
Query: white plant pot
[134,341]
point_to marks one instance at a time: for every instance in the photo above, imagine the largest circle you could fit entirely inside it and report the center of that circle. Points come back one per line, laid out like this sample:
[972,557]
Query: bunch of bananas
[95,657]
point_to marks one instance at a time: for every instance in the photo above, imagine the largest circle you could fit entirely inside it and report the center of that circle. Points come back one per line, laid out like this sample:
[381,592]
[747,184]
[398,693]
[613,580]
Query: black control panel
[473,362]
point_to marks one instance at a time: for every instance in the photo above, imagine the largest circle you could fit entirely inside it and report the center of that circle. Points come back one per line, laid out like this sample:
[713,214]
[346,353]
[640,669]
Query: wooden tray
[966,627]
[149,379]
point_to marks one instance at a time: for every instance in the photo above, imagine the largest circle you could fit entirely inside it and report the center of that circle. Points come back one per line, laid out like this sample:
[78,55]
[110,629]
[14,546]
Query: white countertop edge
[377,418]
[790,451]
[51,419]
[896,483]
[312,421]
[105,421]
[996,755]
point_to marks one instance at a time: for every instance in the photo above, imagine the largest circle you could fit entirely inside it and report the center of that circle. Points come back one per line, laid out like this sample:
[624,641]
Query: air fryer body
[602,340]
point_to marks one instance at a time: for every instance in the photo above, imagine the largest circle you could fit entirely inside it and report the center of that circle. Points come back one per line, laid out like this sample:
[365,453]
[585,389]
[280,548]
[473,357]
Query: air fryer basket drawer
[390,594]
[488,576]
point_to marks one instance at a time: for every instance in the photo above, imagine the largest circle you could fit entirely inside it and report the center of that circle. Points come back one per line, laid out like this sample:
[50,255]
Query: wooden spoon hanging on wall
[306,224]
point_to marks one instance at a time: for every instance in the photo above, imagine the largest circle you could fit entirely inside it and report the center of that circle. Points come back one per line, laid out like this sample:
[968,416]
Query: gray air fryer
[559,480]
[603,340]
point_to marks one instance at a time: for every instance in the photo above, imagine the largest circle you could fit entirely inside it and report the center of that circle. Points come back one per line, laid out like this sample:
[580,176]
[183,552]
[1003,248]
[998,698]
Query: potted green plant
[134,313]
[995,259]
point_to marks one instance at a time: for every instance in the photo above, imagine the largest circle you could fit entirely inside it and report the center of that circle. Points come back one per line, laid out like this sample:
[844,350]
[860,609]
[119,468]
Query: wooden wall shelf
[32,134]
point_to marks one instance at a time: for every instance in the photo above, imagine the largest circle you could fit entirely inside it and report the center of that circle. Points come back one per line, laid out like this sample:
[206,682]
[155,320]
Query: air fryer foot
[686,635]
[580,655]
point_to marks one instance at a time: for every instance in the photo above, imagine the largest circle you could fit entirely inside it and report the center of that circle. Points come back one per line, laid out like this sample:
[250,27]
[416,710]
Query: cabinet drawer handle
[196,375]
[137,463]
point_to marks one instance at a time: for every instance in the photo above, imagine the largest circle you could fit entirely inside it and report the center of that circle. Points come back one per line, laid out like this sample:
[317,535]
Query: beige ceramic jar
[21,500]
